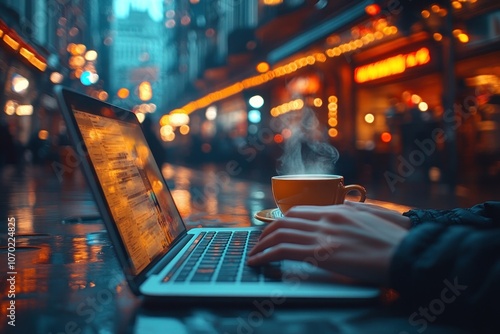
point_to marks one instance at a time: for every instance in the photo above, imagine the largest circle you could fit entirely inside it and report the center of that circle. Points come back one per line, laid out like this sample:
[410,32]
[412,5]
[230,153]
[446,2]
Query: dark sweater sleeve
[486,214]
[450,271]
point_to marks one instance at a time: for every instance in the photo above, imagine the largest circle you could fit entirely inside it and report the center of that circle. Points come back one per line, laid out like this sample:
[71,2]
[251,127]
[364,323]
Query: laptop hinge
[170,255]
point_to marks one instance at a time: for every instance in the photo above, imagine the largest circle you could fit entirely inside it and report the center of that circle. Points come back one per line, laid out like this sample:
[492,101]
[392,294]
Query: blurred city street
[399,96]
[411,193]
[68,271]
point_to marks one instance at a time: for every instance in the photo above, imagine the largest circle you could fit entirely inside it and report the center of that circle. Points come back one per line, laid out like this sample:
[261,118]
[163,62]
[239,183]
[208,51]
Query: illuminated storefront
[478,74]
[312,78]
[374,87]
[22,69]
[388,86]
[401,89]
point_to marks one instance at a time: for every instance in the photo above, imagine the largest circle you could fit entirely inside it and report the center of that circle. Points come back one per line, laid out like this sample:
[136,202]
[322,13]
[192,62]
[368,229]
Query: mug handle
[358,188]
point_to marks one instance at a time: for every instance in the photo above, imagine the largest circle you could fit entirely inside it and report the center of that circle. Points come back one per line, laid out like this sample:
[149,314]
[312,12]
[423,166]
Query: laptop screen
[141,206]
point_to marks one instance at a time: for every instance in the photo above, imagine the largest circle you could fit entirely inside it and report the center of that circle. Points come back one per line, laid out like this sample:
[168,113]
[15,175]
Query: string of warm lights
[436,10]
[17,44]
[332,116]
[287,107]
[382,31]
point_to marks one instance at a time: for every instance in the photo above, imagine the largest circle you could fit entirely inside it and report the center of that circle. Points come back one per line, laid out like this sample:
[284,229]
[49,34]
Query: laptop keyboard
[221,257]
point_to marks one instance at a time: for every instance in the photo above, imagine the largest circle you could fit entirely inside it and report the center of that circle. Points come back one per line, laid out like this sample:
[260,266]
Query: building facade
[137,56]
[39,40]
[383,81]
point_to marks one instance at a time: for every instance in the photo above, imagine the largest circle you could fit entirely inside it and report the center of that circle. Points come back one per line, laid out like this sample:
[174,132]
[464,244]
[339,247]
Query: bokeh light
[254,116]
[386,137]
[256,101]
[211,113]
[369,118]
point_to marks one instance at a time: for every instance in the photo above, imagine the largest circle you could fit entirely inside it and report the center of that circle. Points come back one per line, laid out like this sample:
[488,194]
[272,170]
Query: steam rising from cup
[307,150]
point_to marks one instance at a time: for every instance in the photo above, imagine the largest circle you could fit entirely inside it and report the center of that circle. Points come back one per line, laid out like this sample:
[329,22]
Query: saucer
[268,215]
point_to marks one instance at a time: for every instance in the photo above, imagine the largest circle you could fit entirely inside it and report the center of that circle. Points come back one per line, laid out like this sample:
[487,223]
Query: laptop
[162,260]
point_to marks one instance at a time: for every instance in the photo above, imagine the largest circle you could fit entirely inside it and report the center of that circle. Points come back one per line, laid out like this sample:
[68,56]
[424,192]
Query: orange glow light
[78,72]
[11,42]
[333,132]
[372,9]
[278,139]
[79,49]
[42,66]
[184,129]
[291,67]
[272,2]
[26,53]
[164,120]
[43,134]
[463,38]
[123,93]
[263,67]
[287,107]
[386,137]
[391,66]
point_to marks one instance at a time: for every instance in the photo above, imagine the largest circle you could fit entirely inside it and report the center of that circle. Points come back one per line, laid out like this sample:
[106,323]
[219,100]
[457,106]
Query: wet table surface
[67,279]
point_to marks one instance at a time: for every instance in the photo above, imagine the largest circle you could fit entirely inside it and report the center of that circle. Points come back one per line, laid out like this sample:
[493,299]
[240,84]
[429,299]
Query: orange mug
[311,189]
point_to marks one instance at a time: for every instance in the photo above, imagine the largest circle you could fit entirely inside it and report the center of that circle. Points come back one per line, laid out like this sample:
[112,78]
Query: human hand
[391,215]
[345,239]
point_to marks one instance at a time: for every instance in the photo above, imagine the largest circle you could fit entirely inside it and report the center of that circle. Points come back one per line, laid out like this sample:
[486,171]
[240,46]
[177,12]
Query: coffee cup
[311,189]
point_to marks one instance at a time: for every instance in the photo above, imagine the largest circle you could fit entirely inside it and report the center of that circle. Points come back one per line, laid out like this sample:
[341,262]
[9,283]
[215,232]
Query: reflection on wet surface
[214,196]
[68,278]
[63,255]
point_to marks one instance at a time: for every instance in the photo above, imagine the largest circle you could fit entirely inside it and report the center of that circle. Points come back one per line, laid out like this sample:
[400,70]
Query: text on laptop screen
[142,208]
